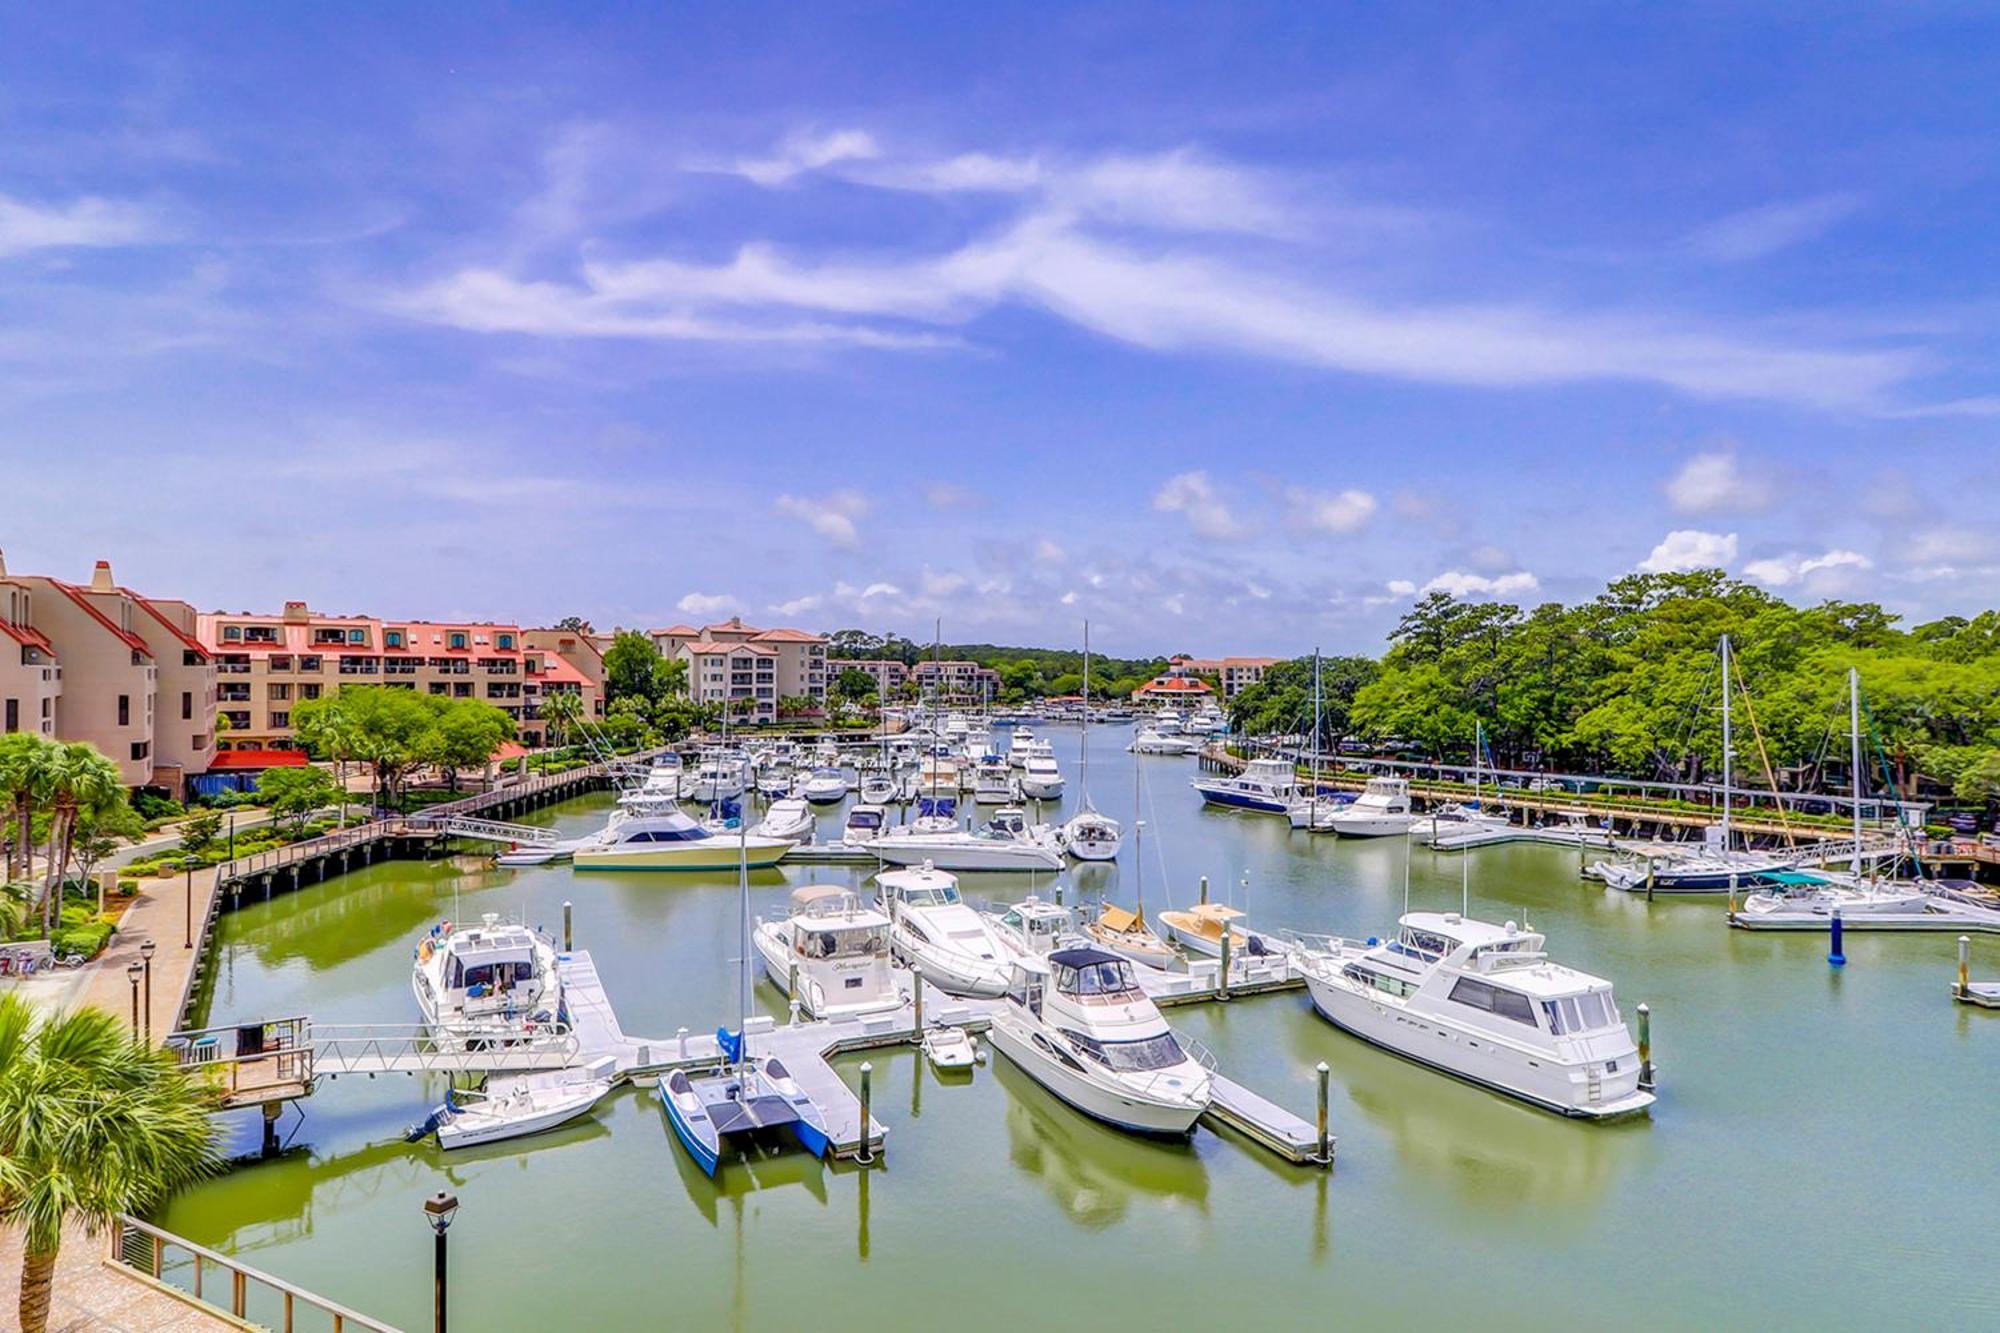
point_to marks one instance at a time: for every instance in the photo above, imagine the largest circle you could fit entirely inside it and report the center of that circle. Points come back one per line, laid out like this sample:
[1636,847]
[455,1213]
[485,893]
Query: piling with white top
[1964,986]
[1645,1046]
[917,1000]
[866,1154]
[566,926]
[1204,888]
[1325,1087]
[1222,978]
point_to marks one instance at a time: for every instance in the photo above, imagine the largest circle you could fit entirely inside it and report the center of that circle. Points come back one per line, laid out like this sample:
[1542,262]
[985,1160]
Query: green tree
[385,728]
[296,794]
[562,710]
[26,766]
[200,830]
[631,667]
[670,677]
[465,734]
[80,782]
[853,685]
[92,1124]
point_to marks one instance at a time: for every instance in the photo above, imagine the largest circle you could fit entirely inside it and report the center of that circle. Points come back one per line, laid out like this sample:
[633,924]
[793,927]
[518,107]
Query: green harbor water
[1825,1150]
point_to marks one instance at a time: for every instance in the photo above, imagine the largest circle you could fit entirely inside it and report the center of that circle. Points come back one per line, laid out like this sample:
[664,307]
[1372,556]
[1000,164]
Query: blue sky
[1231,329]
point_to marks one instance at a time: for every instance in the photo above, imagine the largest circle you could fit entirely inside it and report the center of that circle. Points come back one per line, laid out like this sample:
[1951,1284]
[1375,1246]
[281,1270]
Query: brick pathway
[159,913]
[93,1296]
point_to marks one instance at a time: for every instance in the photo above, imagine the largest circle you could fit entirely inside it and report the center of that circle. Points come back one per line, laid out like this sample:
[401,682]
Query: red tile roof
[81,597]
[677,631]
[245,759]
[187,640]
[790,636]
[28,635]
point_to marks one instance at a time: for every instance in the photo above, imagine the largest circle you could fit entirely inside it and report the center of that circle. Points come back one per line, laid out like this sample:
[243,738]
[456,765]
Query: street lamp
[188,866]
[439,1209]
[146,958]
[132,972]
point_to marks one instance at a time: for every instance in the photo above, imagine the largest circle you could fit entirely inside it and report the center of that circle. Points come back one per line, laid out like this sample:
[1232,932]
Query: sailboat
[1126,933]
[1089,835]
[747,1093]
[1310,811]
[1453,818]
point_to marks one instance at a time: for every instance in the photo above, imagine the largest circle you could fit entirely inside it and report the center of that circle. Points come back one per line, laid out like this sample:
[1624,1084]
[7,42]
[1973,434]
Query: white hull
[720,853]
[503,1118]
[1042,789]
[1369,826]
[1476,1056]
[955,852]
[818,995]
[1124,1107]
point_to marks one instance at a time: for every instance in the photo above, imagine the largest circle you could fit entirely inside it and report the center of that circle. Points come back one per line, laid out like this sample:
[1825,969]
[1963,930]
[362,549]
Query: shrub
[86,939]
[128,887]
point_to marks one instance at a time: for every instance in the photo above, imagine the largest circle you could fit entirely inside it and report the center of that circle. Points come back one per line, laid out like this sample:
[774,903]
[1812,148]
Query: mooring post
[1204,888]
[795,1006]
[1222,979]
[1835,955]
[1652,868]
[1645,1046]
[866,1154]
[682,1037]
[1325,1085]
[1964,987]
[917,998]
[567,937]
[792,981]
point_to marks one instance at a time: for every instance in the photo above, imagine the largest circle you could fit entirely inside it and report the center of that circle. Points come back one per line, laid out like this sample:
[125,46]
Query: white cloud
[832,515]
[1335,512]
[1687,548]
[1757,232]
[931,584]
[85,222]
[1193,496]
[1717,483]
[1401,588]
[1459,583]
[802,153]
[799,605]
[1784,570]
[951,495]
[1943,544]
[1048,553]
[706,603]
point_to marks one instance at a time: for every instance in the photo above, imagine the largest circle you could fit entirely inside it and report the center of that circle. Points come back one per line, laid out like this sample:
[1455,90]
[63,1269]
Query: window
[438,687]
[141,749]
[232,633]
[309,691]
[281,719]
[1476,994]
[506,641]
[187,705]
[458,641]
[357,636]
[1161,1052]
[395,638]
[13,715]
[310,664]
[189,657]
[125,711]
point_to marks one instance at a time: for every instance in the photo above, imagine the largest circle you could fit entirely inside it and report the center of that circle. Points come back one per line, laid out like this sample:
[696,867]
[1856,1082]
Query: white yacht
[662,782]
[776,781]
[825,786]
[1150,740]
[670,841]
[1205,721]
[865,822]
[1382,810]
[1092,836]
[1823,894]
[1199,930]
[514,1106]
[1265,785]
[992,781]
[880,788]
[789,818]
[1024,742]
[1035,927]
[1041,780]
[720,776]
[950,945]
[1168,723]
[1005,843]
[1078,1024]
[495,982]
[1456,819]
[1483,1003]
[838,949]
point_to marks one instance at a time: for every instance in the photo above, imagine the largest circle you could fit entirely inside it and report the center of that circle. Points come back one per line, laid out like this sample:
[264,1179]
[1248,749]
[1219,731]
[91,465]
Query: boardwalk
[95,1296]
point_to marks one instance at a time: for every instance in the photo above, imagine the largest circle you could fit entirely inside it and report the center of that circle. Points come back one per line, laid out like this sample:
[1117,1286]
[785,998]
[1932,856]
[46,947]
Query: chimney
[3,564]
[296,613]
[100,578]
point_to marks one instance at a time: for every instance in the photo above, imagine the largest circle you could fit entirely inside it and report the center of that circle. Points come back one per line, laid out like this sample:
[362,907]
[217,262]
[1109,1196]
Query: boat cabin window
[864,819]
[1424,944]
[867,942]
[1128,1057]
[1381,981]
[1098,979]
[667,835]
[493,974]
[945,895]
[1476,994]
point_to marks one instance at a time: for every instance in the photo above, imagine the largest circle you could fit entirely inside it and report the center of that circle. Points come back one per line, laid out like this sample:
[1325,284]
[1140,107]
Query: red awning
[250,759]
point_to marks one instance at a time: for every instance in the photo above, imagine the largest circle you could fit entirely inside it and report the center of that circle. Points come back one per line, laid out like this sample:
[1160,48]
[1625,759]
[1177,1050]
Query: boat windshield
[932,896]
[1131,1057]
[1423,944]
[1581,1013]
[866,942]
[1096,979]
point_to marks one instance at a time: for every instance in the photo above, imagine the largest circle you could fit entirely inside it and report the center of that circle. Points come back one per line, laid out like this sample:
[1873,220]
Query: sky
[1228,329]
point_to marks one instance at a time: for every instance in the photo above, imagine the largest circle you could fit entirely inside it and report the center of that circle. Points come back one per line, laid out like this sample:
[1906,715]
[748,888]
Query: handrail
[241,1274]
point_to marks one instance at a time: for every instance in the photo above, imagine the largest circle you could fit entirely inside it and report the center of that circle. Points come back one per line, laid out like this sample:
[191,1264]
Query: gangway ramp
[495,830]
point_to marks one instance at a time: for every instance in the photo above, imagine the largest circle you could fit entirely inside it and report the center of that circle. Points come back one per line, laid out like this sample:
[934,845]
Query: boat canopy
[1118,919]
[1084,956]
[812,897]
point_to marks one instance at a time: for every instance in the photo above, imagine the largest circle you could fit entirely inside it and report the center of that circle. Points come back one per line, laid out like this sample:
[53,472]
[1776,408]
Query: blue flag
[731,1044]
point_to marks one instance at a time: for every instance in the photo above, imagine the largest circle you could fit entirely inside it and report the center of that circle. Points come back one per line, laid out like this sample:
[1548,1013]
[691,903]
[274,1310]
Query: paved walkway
[93,1296]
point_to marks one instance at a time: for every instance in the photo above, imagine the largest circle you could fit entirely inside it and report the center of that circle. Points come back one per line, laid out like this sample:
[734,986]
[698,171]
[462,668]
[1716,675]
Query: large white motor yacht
[1042,779]
[825,786]
[1035,927]
[1483,1003]
[494,982]
[671,841]
[720,776]
[1078,1024]
[1265,785]
[839,947]
[1150,740]
[789,818]
[952,946]
[1382,810]
[992,781]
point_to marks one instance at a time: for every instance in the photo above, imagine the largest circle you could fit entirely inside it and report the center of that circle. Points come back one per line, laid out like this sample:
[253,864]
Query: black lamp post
[439,1209]
[188,866]
[146,960]
[232,835]
[132,972]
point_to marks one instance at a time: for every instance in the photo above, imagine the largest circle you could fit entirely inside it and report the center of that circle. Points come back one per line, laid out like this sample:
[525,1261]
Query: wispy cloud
[1785,570]
[1690,548]
[706,604]
[804,152]
[1459,583]
[1757,232]
[1718,482]
[87,222]
[832,516]
[1338,513]
[1193,496]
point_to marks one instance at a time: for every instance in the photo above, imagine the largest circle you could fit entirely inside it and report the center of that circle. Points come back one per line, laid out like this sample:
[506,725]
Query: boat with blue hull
[1268,786]
[756,1096]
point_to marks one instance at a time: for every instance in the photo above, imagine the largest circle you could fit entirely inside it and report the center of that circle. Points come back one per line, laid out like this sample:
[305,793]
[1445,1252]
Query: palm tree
[92,1124]
[562,710]
[80,781]
[24,763]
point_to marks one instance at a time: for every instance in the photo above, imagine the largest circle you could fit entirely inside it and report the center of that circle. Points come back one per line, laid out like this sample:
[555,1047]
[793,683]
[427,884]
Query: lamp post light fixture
[132,973]
[439,1209]
[146,961]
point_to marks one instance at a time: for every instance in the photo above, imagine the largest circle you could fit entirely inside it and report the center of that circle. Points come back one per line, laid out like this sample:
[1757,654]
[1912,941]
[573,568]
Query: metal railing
[368,1048]
[151,1251]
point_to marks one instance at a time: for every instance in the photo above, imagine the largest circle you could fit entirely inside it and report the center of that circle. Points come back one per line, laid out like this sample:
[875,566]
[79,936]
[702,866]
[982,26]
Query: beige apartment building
[957,682]
[583,653]
[888,674]
[1236,674]
[267,665]
[731,661]
[97,662]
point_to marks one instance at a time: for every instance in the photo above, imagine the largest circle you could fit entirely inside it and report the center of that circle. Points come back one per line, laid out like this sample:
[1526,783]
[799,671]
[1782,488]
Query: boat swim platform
[1985,994]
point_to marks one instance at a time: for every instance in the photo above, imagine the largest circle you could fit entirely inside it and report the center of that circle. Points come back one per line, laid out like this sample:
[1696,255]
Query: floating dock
[1985,994]
[1944,915]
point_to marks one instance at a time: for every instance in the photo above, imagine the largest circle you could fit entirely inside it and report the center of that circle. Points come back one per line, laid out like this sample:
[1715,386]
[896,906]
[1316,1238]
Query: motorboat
[935,814]
[1824,894]
[527,856]
[662,782]
[1690,872]
[865,823]
[1150,740]
[880,789]
[1079,1025]
[789,818]
[748,1096]
[1205,721]
[992,781]
[720,776]
[515,1106]
[1023,743]
[1265,785]
[1455,819]
[672,841]
[776,781]
[948,1047]
[948,943]
[1035,927]
[1312,811]
[831,954]
[1199,930]
[1483,1003]
[994,847]
[1127,935]
[940,773]
[1091,836]
[1042,779]
[824,786]
[493,983]
[1168,723]
[1381,810]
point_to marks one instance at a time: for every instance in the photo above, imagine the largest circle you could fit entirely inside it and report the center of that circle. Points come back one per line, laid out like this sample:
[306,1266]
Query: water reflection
[1091,1169]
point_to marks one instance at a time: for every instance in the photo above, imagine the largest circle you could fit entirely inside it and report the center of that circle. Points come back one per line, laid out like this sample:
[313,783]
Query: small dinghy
[517,1106]
[526,856]
[950,1048]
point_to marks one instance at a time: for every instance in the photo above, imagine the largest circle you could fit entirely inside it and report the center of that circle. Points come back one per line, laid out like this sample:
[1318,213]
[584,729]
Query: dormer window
[232,633]
[506,641]
[395,638]
[357,636]
[458,641]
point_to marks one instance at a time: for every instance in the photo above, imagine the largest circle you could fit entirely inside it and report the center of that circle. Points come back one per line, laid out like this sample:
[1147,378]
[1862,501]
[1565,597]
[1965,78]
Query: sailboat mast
[1083,735]
[1854,757]
[1312,799]
[1727,744]
[743,961]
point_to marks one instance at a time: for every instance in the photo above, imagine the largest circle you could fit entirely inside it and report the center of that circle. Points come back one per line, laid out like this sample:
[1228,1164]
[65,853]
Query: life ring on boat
[424,951]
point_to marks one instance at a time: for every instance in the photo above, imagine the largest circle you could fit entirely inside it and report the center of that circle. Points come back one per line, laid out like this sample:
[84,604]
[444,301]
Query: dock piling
[1964,986]
[567,936]
[866,1154]
[1204,889]
[1222,977]
[917,1000]
[1835,955]
[1325,1086]
[1645,1046]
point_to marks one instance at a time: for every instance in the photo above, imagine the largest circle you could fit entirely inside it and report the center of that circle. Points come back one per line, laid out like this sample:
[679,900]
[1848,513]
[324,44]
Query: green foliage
[296,793]
[152,805]
[394,731]
[199,833]
[853,685]
[631,667]
[1283,700]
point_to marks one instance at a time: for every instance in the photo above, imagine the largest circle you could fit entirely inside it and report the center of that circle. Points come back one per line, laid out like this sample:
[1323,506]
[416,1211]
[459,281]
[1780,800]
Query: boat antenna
[743,963]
